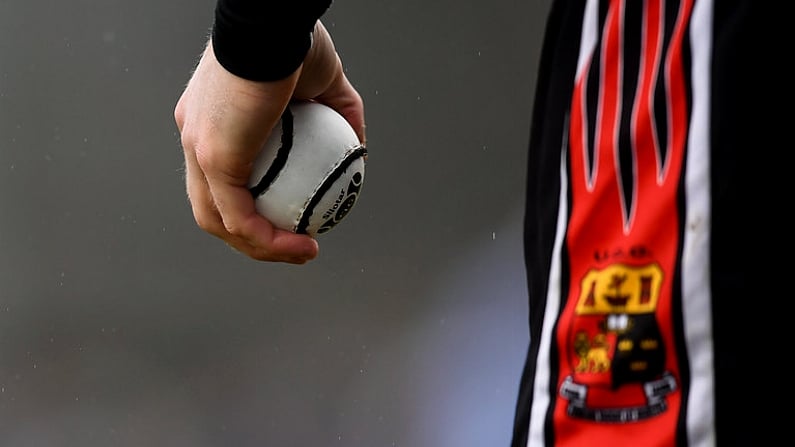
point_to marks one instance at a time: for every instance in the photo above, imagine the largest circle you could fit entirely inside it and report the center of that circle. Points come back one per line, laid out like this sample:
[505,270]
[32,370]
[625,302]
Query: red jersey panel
[618,362]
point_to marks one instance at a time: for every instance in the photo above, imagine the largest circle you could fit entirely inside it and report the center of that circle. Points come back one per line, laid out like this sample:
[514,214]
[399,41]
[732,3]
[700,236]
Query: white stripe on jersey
[541,397]
[696,292]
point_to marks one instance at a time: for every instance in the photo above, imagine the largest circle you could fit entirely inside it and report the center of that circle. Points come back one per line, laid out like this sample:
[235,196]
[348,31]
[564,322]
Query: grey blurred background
[123,324]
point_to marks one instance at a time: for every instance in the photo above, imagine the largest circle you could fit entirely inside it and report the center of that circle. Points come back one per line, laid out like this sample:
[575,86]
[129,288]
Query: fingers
[343,98]
[251,233]
[323,79]
[227,211]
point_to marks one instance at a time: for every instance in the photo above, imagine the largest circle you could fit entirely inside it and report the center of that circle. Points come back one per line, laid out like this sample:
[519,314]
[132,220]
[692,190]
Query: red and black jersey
[644,162]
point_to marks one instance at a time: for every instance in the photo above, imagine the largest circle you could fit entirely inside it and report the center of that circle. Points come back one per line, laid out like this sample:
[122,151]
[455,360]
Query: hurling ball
[310,172]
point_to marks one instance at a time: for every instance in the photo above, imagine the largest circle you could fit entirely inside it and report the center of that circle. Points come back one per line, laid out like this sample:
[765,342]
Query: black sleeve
[264,40]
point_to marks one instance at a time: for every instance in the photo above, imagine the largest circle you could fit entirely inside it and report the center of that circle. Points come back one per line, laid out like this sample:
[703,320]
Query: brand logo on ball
[343,204]
[344,201]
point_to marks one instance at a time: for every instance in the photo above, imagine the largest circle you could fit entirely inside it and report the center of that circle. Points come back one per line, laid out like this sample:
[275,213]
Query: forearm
[264,40]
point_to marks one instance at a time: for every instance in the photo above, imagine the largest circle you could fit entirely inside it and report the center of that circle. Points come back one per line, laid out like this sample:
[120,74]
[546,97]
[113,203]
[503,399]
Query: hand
[224,121]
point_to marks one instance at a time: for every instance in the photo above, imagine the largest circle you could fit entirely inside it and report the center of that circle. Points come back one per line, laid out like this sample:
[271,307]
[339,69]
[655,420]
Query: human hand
[224,121]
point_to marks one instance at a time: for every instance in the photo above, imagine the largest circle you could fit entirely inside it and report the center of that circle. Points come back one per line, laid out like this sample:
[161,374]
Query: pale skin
[223,122]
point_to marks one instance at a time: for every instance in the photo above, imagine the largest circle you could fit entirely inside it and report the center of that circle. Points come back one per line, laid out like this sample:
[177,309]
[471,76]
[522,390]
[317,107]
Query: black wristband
[264,40]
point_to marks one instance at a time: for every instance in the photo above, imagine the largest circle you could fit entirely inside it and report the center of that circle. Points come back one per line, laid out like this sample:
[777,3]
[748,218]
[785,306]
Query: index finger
[252,233]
